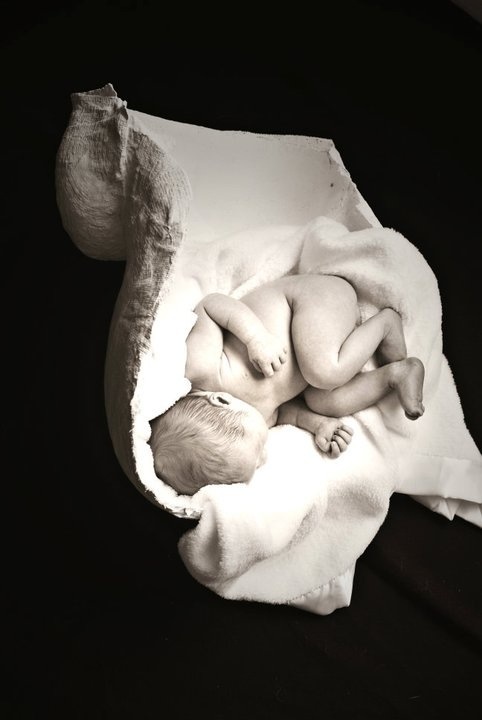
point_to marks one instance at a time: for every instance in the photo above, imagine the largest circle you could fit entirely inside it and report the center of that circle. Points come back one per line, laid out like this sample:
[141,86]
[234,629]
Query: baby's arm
[331,435]
[265,351]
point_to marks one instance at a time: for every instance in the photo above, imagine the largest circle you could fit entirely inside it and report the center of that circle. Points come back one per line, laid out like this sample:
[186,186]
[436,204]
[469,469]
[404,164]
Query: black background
[102,619]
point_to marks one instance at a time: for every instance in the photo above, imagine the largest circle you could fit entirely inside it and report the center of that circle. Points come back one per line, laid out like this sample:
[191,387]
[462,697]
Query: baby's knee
[324,375]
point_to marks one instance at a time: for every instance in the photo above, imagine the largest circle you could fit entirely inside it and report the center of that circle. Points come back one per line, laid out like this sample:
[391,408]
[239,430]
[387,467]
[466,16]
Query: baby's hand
[333,437]
[267,353]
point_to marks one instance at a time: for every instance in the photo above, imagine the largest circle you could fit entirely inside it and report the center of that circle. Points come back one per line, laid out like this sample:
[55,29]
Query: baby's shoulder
[204,346]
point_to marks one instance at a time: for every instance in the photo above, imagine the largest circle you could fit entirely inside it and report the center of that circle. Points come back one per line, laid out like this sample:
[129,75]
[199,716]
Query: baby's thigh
[325,312]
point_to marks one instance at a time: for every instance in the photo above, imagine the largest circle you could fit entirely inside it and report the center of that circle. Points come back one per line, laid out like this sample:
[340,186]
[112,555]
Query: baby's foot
[392,348]
[332,436]
[407,380]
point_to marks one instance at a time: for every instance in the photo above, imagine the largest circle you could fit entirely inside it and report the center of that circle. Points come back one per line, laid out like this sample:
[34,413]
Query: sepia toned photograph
[242,275]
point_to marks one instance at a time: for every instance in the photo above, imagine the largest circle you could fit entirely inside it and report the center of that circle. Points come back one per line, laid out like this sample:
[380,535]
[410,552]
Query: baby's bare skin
[301,335]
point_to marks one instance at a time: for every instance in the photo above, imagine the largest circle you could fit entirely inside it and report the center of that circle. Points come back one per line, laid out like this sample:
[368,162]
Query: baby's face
[256,430]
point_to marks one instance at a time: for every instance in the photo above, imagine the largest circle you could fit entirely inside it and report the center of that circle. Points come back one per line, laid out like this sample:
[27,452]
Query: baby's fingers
[347,429]
[279,360]
[340,440]
[345,435]
[266,369]
[322,442]
[340,443]
[256,365]
[261,366]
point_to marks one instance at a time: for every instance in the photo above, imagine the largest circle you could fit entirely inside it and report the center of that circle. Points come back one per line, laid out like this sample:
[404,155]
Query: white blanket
[293,534]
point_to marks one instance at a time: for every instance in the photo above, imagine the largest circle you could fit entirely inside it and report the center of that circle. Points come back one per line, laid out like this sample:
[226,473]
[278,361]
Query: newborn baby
[290,352]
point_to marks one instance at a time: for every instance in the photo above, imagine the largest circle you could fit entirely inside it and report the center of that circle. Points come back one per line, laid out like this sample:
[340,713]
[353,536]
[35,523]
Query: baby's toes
[335,449]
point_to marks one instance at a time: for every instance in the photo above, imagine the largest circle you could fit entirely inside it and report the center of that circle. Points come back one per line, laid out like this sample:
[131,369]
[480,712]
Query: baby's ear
[158,464]
[263,456]
[162,471]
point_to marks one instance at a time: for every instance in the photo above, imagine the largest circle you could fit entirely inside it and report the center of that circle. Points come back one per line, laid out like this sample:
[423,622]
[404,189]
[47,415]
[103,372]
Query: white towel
[304,519]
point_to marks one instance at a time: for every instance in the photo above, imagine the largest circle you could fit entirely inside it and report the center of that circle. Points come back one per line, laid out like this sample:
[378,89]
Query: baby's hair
[192,445]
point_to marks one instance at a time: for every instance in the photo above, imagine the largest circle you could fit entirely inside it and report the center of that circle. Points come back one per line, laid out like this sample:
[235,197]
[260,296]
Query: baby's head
[207,438]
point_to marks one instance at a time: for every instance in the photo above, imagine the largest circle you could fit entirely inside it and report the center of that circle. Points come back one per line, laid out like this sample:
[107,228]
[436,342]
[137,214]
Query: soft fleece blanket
[294,533]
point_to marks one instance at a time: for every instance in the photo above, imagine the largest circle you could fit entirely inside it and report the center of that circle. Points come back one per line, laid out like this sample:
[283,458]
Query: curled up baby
[289,352]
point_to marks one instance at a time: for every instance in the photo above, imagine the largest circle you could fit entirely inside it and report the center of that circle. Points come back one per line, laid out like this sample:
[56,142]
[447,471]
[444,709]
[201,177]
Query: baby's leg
[365,389]
[329,347]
